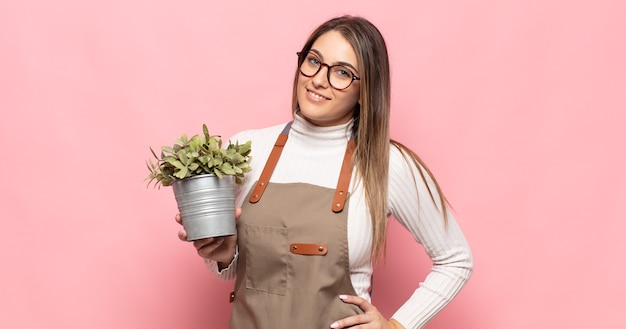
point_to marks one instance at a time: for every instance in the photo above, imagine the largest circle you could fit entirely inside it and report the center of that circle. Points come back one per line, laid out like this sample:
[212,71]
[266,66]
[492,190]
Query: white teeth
[316,96]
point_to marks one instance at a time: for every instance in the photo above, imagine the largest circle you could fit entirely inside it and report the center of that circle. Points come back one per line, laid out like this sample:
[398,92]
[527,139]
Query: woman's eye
[343,72]
[313,60]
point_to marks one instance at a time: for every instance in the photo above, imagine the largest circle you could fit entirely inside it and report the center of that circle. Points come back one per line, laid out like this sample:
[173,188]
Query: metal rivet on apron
[338,205]
[320,248]
[256,196]
[295,247]
[262,183]
[340,192]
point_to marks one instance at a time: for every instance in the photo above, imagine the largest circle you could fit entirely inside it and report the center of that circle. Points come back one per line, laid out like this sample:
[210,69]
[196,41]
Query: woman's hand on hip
[371,319]
[220,249]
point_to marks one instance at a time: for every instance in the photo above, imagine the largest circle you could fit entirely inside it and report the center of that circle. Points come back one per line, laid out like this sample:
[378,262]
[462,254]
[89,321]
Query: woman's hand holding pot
[220,249]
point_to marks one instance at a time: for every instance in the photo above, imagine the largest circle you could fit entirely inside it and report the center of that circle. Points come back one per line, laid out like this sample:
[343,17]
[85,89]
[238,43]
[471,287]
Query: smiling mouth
[316,95]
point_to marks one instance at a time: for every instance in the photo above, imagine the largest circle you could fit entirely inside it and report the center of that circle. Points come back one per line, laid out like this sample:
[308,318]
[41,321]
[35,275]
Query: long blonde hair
[371,120]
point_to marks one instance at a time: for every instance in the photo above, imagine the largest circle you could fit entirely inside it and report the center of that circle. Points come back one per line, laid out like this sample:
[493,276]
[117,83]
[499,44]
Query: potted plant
[203,176]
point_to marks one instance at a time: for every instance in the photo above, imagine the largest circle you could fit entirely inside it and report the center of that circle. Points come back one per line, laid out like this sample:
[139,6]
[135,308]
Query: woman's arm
[412,204]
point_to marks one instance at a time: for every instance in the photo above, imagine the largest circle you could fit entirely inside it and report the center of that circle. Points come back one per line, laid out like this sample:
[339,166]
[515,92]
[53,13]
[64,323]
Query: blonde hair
[371,120]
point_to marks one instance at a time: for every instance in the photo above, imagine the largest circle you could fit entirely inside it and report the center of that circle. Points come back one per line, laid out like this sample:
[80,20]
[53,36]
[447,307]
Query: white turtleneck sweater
[314,155]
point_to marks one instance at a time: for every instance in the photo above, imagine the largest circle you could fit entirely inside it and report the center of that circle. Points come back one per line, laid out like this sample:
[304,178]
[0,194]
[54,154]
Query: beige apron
[293,253]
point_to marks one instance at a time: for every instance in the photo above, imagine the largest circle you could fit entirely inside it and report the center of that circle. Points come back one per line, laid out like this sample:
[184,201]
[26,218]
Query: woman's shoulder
[406,167]
[258,135]
[401,156]
[405,163]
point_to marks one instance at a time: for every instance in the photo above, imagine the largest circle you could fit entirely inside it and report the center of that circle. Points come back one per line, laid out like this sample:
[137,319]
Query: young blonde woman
[312,215]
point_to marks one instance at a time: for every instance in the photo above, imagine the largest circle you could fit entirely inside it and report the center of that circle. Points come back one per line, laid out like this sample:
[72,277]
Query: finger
[178,219]
[355,319]
[237,213]
[207,243]
[358,301]
[207,250]
[352,321]
[182,235]
[201,243]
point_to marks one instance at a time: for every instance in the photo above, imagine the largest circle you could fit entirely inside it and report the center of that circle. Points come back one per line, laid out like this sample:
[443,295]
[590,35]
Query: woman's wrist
[393,324]
[221,266]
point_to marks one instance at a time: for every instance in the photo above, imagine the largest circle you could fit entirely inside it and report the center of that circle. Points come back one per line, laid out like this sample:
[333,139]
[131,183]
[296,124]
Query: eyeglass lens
[339,76]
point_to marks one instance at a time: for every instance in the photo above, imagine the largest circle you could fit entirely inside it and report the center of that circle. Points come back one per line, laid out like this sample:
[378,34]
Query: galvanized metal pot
[207,205]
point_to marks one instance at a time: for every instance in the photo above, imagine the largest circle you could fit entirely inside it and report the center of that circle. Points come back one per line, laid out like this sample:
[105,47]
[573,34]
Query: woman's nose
[321,78]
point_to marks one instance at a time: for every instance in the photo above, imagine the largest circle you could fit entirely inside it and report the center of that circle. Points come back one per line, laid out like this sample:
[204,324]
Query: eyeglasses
[339,76]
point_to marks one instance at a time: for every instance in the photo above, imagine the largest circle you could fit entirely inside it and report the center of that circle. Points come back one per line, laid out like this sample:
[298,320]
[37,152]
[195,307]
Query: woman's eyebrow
[348,65]
[319,54]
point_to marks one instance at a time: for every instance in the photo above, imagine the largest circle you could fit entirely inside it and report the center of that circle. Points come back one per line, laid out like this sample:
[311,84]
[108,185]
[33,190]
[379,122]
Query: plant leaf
[168,150]
[205,131]
[182,155]
[182,173]
[227,169]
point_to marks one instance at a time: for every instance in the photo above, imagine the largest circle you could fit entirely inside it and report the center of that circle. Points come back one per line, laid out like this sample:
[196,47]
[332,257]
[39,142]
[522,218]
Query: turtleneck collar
[303,128]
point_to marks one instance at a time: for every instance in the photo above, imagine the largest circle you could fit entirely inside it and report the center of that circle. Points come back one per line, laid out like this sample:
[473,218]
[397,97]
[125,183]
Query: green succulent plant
[199,155]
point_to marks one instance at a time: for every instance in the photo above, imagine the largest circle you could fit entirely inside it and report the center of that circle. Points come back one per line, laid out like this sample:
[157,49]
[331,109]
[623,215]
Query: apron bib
[293,253]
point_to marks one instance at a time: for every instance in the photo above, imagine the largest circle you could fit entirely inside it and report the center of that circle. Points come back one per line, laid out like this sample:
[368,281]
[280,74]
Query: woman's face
[319,103]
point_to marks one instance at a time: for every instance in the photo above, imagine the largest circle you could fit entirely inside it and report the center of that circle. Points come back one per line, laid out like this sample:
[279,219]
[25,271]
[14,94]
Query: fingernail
[343,297]
[334,325]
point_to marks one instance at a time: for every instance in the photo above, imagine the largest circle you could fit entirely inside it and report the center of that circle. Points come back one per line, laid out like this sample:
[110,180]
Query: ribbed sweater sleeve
[413,207]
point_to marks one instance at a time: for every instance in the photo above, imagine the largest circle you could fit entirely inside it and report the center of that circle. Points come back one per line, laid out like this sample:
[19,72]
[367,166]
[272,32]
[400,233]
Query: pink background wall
[518,107]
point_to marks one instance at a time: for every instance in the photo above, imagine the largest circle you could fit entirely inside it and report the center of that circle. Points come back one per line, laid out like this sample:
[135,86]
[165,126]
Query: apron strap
[341,193]
[266,174]
[343,183]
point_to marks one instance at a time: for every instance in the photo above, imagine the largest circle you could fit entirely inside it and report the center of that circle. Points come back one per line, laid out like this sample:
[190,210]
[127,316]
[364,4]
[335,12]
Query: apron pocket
[266,258]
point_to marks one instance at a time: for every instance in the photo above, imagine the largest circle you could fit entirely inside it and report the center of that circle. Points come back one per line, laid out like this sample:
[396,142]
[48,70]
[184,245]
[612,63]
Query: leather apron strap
[341,192]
